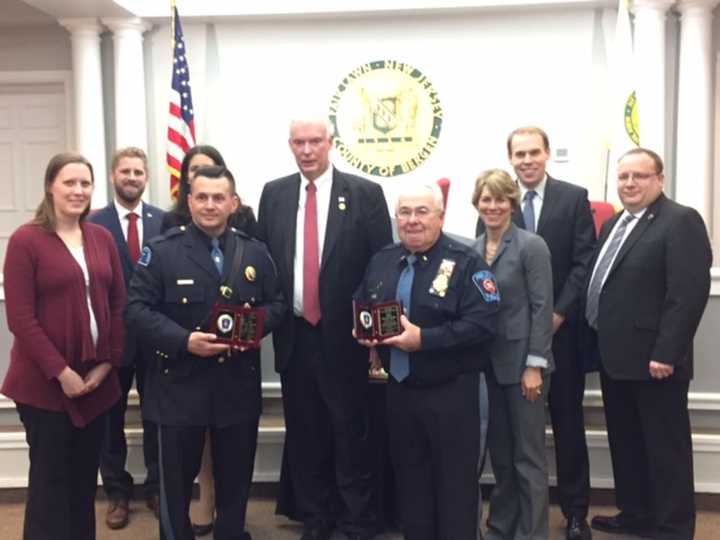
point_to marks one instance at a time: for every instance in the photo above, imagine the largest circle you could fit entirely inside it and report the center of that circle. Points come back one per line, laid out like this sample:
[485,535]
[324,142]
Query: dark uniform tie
[528,211]
[399,360]
[593,295]
[217,255]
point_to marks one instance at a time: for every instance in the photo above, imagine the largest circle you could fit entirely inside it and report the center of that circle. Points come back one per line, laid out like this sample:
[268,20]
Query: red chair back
[601,211]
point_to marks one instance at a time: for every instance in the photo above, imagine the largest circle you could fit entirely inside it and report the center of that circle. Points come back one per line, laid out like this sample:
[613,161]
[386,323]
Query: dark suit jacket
[353,234]
[655,293]
[108,217]
[566,225]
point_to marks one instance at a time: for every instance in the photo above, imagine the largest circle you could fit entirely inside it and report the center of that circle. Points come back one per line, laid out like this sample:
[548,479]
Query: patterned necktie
[528,211]
[400,360]
[217,255]
[133,238]
[593,295]
[311,259]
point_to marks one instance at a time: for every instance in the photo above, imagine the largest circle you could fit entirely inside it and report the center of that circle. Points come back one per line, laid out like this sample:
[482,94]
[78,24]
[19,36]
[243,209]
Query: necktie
[399,360]
[311,259]
[217,255]
[593,295]
[133,238]
[528,211]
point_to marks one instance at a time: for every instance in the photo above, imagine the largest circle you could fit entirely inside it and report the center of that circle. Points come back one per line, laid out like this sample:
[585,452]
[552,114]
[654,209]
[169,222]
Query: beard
[129,196]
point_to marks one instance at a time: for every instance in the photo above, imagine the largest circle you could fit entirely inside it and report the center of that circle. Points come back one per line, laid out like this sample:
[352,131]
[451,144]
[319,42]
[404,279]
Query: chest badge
[441,282]
[226,291]
[250,273]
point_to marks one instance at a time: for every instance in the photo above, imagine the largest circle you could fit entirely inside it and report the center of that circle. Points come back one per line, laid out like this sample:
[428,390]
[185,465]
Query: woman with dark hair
[64,297]
[243,219]
[199,156]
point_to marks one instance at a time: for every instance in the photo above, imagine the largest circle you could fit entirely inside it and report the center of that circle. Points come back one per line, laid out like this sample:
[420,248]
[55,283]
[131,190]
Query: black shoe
[623,524]
[577,529]
[202,530]
[316,533]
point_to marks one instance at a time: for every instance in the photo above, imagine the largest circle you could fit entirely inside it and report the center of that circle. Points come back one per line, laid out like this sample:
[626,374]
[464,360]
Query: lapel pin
[149,215]
[650,216]
[341,203]
[250,273]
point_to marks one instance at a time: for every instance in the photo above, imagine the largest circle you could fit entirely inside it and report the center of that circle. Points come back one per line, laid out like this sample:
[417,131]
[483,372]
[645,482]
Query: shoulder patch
[145,256]
[485,282]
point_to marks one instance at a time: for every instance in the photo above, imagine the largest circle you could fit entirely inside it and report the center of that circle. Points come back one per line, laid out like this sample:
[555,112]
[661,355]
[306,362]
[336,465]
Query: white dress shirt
[123,216]
[628,229]
[323,183]
[537,201]
[79,255]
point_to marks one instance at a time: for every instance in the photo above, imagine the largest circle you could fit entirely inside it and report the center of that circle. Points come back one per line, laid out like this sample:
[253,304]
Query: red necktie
[133,239]
[311,259]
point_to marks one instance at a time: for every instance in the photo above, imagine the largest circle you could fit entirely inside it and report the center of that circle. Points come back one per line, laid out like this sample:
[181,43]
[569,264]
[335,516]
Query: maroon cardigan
[47,313]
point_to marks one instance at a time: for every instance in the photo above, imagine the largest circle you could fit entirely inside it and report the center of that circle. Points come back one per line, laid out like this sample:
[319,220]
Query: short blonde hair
[499,184]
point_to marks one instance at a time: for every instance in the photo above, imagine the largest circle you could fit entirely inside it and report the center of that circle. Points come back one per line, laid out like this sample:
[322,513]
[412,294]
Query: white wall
[32,48]
[493,72]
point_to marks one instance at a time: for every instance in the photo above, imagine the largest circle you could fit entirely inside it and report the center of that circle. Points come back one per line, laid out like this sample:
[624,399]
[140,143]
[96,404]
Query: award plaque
[237,326]
[377,321]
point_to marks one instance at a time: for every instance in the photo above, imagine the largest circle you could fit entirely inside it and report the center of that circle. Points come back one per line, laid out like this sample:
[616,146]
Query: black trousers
[63,475]
[434,443]
[326,457]
[233,454]
[568,421]
[117,482]
[651,449]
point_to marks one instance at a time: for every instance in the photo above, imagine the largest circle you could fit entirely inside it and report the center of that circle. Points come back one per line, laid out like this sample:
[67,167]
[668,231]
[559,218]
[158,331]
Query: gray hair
[423,190]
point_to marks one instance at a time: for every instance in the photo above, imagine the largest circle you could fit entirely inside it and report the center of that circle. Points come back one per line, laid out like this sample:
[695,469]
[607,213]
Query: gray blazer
[524,276]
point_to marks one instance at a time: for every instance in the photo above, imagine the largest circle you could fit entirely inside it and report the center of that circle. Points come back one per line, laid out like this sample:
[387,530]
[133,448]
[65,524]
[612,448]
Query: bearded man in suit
[132,223]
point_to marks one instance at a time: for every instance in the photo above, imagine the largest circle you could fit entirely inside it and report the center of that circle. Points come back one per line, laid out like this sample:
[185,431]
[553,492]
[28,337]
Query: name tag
[185,282]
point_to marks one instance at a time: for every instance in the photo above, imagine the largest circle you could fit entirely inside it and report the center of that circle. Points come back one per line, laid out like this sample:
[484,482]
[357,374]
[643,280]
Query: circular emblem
[250,273]
[225,323]
[387,118]
[632,125]
[489,286]
[366,320]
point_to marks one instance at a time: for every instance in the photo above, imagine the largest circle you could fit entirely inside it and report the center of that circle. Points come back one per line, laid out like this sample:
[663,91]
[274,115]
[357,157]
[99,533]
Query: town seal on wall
[387,118]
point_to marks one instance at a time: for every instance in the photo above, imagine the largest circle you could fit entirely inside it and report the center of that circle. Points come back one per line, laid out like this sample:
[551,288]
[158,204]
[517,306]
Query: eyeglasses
[624,178]
[421,212]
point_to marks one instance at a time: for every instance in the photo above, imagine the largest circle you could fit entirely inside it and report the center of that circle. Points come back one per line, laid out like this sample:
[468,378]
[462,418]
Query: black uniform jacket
[457,323]
[172,293]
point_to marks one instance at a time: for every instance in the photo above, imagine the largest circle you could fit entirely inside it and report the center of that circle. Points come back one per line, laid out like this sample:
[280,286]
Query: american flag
[181,125]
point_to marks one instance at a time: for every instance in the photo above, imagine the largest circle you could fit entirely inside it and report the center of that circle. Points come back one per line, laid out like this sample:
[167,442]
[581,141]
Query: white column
[649,48]
[694,122]
[89,112]
[130,97]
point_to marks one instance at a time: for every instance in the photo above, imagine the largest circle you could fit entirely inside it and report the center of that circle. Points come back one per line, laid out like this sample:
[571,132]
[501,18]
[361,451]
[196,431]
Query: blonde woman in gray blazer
[518,381]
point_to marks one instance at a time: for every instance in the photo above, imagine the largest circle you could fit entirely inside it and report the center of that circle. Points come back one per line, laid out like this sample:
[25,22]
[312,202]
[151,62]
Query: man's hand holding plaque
[241,327]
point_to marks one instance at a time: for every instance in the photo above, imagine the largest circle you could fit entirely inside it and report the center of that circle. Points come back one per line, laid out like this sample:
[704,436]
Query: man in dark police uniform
[195,382]
[451,302]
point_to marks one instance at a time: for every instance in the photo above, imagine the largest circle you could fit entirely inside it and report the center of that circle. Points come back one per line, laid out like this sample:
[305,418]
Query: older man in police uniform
[451,302]
[196,382]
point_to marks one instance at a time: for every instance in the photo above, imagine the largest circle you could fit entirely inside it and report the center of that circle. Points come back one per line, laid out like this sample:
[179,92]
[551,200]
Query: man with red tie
[321,227]
[132,223]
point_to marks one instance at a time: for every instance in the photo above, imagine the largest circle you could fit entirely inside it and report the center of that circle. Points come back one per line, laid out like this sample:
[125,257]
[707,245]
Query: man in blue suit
[132,223]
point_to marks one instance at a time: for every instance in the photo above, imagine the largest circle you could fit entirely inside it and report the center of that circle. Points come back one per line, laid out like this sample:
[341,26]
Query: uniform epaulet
[390,247]
[242,234]
[170,233]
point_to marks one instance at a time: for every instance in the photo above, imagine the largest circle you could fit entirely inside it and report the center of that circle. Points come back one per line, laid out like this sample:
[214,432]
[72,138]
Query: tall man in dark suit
[560,213]
[647,290]
[131,222]
[321,227]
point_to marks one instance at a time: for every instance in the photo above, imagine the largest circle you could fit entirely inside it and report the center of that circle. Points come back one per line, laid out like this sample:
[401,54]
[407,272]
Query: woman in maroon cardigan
[64,295]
